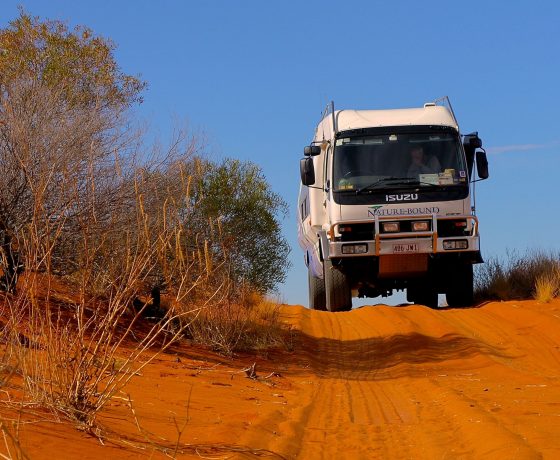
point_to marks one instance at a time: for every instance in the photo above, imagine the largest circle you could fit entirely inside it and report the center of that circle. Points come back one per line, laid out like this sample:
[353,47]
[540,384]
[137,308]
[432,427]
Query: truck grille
[406,226]
[358,232]
[452,228]
[366,231]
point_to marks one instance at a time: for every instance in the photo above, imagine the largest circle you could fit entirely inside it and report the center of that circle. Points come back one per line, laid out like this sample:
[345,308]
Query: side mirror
[482,164]
[312,150]
[307,171]
[472,141]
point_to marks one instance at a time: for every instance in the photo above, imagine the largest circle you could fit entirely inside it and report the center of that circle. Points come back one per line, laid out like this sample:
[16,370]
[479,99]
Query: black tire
[317,299]
[428,297]
[422,295]
[460,292]
[337,288]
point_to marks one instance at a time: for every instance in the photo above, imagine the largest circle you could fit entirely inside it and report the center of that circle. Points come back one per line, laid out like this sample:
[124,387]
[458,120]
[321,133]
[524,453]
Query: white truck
[386,203]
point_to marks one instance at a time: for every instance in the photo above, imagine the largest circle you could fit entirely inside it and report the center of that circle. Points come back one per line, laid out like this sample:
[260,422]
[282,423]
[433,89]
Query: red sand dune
[376,382]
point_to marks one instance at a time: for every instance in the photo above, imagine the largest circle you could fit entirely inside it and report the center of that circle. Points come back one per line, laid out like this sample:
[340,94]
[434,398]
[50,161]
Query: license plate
[402,248]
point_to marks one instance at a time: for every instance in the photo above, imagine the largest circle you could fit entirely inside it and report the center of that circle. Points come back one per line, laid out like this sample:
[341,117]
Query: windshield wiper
[399,181]
[418,182]
[394,181]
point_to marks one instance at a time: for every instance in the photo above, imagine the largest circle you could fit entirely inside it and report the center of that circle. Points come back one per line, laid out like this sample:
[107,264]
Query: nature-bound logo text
[402,197]
[379,210]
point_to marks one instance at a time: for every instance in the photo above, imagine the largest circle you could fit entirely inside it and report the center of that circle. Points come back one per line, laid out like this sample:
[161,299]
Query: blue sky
[256,75]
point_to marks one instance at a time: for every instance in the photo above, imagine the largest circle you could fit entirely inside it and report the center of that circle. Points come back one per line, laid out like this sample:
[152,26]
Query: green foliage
[68,176]
[237,195]
[77,62]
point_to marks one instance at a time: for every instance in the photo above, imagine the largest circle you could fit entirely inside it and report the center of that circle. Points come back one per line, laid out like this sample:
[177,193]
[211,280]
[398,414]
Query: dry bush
[84,206]
[11,444]
[89,348]
[83,218]
[547,286]
[11,319]
[490,281]
[247,322]
[10,447]
[514,278]
[82,350]
[78,356]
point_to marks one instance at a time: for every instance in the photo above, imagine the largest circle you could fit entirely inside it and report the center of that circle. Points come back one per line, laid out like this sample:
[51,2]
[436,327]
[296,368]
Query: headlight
[390,227]
[354,248]
[455,244]
[420,226]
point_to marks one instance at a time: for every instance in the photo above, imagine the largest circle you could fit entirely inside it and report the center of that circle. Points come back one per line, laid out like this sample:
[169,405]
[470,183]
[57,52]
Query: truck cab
[386,203]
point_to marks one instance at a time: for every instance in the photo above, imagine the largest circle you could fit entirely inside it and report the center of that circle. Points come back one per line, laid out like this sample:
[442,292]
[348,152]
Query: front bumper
[428,242]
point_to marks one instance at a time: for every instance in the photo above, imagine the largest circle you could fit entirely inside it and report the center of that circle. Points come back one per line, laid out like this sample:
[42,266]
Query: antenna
[333,119]
[447,103]
[329,109]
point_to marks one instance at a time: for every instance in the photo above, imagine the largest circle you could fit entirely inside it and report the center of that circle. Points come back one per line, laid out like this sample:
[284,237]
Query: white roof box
[430,115]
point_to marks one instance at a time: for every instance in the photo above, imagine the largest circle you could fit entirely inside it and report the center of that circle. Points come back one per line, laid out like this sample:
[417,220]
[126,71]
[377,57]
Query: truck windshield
[388,161]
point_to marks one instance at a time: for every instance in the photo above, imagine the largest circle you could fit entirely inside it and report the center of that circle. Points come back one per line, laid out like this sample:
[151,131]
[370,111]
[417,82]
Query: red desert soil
[376,382]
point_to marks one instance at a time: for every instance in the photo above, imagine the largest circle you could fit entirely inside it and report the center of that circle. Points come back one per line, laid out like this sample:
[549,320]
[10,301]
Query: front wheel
[337,288]
[460,290]
[422,293]
[317,300]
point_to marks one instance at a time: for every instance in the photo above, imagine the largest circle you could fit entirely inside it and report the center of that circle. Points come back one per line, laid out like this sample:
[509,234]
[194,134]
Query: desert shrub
[75,175]
[547,285]
[83,348]
[516,277]
[237,195]
[250,323]
[12,448]
[82,356]
[63,129]
[84,206]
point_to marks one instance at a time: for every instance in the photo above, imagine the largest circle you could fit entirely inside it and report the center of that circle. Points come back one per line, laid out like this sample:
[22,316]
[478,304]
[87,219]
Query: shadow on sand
[394,356]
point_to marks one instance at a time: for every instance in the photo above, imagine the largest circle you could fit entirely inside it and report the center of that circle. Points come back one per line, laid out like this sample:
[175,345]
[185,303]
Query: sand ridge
[375,382]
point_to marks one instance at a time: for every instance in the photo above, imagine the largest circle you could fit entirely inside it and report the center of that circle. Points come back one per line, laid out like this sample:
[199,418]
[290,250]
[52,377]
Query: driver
[421,163]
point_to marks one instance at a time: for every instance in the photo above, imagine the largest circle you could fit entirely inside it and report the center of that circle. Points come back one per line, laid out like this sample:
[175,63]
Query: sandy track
[410,382]
[376,382]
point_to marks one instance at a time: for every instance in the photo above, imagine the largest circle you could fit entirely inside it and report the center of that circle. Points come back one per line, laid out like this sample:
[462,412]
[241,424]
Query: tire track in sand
[387,382]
